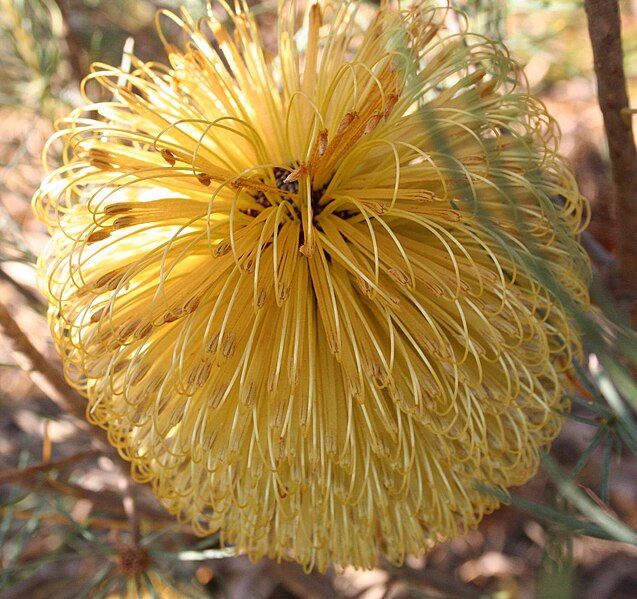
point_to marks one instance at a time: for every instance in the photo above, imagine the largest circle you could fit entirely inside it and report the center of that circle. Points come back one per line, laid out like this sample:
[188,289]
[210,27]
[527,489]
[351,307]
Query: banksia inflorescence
[295,287]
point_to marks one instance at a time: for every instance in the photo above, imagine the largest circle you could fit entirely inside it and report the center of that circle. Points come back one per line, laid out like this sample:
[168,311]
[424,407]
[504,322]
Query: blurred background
[71,523]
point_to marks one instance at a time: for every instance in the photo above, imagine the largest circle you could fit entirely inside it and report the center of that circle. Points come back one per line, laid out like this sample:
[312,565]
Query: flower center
[280,176]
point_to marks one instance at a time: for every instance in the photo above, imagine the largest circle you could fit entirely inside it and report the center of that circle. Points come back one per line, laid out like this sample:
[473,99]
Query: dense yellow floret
[292,285]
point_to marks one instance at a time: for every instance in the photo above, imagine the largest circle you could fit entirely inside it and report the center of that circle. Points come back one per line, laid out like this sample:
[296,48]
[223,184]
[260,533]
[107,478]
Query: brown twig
[34,300]
[105,500]
[12,476]
[597,252]
[104,523]
[129,503]
[51,381]
[109,501]
[76,54]
[45,376]
[604,28]
[433,578]
[312,586]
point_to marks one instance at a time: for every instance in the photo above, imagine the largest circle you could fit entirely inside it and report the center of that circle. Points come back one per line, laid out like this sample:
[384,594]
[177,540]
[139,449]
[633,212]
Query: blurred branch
[312,586]
[51,381]
[12,476]
[129,503]
[604,27]
[34,300]
[108,524]
[597,251]
[76,52]
[433,578]
[106,500]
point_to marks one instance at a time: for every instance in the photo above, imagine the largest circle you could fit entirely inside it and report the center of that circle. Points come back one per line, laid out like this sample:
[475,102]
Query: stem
[92,522]
[129,503]
[604,28]
[51,381]
[11,476]
[34,300]
[45,376]
[104,500]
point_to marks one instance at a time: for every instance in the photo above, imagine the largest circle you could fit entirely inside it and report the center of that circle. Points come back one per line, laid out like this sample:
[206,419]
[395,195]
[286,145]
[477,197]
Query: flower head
[292,286]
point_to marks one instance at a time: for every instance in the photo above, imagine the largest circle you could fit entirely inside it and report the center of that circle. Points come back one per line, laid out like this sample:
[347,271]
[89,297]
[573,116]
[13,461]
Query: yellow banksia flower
[294,285]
